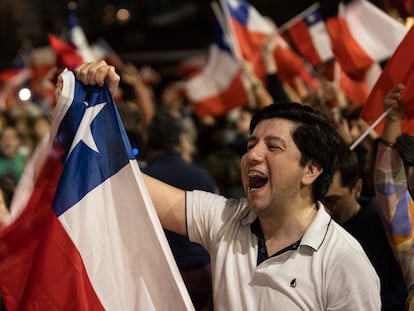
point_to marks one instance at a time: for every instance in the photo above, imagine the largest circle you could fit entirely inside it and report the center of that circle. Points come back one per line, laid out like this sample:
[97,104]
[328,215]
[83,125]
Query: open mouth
[257,180]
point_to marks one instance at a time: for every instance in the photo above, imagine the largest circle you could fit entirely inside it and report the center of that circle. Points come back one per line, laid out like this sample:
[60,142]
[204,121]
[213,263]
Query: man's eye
[274,147]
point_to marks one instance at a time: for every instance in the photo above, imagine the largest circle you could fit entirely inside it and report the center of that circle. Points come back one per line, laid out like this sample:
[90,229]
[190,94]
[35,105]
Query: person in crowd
[166,136]
[12,161]
[277,248]
[136,106]
[171,98]
[241,129]
[360,216]
[221,160]
[394,155]
[41,128]
[258,93]
[273,83]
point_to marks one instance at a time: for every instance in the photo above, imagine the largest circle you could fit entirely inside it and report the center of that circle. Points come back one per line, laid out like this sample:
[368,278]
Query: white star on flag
[84,131]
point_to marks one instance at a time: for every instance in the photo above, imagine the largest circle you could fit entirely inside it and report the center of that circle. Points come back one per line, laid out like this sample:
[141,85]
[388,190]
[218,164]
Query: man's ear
[357,189]
[311,171]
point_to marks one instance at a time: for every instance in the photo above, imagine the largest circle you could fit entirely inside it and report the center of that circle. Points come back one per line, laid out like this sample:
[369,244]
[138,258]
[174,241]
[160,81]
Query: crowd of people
[272,210]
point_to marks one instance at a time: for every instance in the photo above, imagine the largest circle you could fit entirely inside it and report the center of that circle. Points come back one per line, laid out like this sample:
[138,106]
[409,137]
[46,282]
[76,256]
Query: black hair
[350,169]
[164,132]
[315,136]
[405,147]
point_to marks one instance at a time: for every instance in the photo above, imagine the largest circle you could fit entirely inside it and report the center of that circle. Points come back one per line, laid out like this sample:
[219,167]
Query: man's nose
[256,153]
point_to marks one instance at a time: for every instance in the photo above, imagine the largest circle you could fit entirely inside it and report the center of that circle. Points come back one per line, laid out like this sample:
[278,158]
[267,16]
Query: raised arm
[392,125]
[169,201]
[391,187]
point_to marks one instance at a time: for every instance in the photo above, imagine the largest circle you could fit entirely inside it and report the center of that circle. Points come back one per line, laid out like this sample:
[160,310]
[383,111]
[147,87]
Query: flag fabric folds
[251,29]
[362,35]
[219,87]
[310,36]
[75,52]
[399,69]
[84,233]
[78,38]
[352,58]
[66,54]
[377,32]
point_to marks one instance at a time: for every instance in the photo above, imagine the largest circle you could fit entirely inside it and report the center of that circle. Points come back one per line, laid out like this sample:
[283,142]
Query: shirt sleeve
[396,206]
[203,213]
[210,217]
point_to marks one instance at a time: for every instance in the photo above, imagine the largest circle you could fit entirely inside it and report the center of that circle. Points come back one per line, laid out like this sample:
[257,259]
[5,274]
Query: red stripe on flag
[218,105]
[66,53]
[32,273]
[58,277]
[19,240]
[250,43]
[356,91]
[290,66]
[348,53]
[399,69]
[304,42]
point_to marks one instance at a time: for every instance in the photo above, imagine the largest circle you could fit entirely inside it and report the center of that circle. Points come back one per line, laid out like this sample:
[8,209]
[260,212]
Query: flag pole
[230,31]
[219,15]
[364,134]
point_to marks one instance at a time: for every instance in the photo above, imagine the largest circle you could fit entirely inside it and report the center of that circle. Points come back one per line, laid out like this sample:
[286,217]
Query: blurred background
[158,32]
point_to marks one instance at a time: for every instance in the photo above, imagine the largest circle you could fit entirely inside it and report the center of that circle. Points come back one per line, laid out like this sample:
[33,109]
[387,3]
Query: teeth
[257,174]
[257,180]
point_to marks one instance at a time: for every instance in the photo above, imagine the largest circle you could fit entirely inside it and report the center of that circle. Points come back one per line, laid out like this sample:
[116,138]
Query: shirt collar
[318,229]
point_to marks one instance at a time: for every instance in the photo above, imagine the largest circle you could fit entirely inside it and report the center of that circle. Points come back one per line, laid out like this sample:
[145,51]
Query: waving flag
[399,69]
[362,35]
[84,234]
[66,54]
[250,29]
[219,87]
[377,32]
[75,52]
[78,38]
[310,36]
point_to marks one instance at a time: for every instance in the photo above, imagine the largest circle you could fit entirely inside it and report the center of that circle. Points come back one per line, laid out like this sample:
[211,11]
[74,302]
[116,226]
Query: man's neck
[284,230]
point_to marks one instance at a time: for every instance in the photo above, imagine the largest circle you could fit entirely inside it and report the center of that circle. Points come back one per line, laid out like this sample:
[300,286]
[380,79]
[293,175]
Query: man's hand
[97,73]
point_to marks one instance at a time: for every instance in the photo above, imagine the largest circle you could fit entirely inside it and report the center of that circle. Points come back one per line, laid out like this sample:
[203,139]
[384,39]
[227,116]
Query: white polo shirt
[328,271]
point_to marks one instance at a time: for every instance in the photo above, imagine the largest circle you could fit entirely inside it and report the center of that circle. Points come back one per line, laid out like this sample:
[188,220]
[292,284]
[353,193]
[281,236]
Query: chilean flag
[66,54]
[78,38]
[399,69]
[84,234]
[310,36]
[363,35]
[219,87]
[251,29]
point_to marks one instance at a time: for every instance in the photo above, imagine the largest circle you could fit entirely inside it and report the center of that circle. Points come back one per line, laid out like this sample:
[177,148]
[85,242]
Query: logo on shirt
[293,283]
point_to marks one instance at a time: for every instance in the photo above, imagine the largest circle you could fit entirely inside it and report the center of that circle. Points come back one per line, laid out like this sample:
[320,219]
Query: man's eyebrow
[269,138]
[252,138]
